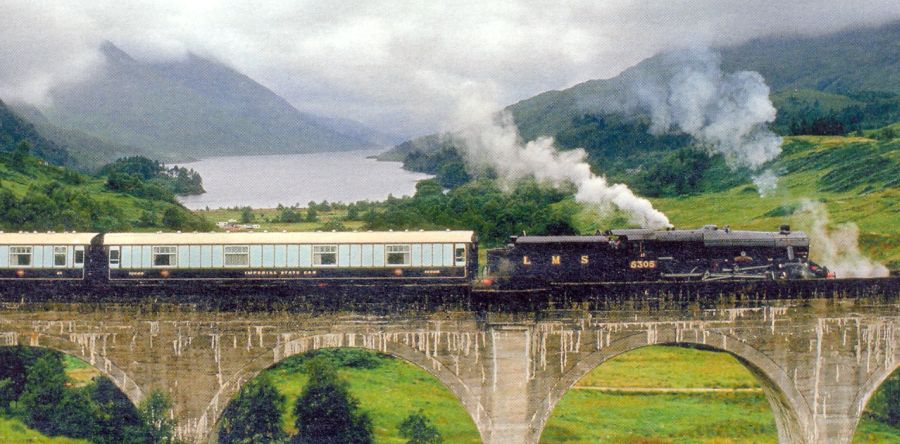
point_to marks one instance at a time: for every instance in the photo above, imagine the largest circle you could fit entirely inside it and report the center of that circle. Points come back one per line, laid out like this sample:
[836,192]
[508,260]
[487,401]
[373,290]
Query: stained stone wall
[818,359]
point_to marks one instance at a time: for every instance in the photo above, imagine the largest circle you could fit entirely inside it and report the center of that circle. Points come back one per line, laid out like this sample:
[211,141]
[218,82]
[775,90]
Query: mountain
[193,108]
[832,84]
[865,59]
[86,152]
[14,130]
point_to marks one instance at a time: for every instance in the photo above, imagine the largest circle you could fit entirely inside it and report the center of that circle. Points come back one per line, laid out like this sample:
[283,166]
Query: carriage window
[165,256]
[114,256]
[79,255]
[397,254]
[20,256]
[460,256]
[59,256]
[324,254]
[237,256]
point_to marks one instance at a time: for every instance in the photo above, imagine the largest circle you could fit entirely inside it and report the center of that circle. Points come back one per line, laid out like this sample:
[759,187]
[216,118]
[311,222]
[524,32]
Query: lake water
[266,181]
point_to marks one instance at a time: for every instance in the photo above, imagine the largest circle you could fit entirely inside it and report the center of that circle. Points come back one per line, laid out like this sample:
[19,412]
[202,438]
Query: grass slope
[389,392]
[855,178]
[13,431]
[126,209]
[589,416]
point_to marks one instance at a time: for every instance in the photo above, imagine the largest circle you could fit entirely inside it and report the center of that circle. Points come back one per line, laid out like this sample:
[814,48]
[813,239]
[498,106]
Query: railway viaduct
[819,358]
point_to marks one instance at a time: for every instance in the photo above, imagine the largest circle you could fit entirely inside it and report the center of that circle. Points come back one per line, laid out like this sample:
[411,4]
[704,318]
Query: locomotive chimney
[785,229]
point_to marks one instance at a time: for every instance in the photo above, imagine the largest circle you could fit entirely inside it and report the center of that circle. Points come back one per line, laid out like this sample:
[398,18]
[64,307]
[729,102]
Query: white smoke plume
[491,139]
[725,113]
[837,248]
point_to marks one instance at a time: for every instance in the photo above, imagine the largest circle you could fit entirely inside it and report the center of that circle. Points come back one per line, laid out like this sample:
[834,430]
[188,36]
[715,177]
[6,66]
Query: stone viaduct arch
[819,358]
[788,406]
[82,347]
[311,343]
[867,390]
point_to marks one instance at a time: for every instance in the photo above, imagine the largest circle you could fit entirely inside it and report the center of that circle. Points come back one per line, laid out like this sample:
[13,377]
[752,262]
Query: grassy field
[265,217]
[389,393]
[586,414]
[13,431]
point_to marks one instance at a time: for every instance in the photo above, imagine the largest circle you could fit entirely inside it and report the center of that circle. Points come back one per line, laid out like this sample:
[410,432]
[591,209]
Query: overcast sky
[397,66]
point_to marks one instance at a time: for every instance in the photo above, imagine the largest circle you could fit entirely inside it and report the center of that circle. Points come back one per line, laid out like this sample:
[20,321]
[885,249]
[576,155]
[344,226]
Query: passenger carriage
[402,256]
[44,256]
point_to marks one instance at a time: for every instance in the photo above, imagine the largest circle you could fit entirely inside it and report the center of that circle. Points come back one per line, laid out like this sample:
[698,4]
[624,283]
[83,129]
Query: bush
[154,413]
[326,412]
[417,429]
[254,416]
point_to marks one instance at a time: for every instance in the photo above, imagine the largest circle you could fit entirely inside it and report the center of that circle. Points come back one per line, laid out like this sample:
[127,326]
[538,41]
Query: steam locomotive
[640,255]
[420,258]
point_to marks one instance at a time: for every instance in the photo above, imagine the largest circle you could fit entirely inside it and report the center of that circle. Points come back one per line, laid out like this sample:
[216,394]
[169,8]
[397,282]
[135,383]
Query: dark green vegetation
[418,429]
[143,177]
[326,413]
[36,390]
[254,415]
[14,130]
[395,401]
[38,196]
[482,206]
[884,407]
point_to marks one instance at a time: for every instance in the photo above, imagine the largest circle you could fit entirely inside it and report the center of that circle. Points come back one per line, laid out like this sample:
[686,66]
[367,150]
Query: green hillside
[864,59]
[14,129]
[35,195]
[857,179]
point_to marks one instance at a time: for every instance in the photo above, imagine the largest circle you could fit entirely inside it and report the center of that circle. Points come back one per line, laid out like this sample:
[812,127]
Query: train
[417,258]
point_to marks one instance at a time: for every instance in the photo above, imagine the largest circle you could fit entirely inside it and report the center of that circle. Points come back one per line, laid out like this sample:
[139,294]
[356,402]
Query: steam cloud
[837,248]
[489,139]
[725,113]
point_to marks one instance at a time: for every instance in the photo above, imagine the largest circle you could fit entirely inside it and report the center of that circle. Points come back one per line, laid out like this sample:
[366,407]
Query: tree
[885,403]
[6,393]
[247,215]
[117,419]
[254,416]
[174,218]
[76,415]
[352,212]
[326,413]
[158,427]
[147,219]
[20,153]
[417,429]
[311,214]
[45,389]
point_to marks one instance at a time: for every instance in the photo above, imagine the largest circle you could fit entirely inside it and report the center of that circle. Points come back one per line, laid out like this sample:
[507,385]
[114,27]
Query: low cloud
[394,64]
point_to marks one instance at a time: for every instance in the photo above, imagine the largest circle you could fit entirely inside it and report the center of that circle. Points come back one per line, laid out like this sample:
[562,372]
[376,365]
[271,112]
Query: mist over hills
[838,83]
[194,108]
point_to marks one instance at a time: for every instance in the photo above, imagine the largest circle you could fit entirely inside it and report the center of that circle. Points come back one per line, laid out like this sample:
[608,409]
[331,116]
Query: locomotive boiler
[639,255]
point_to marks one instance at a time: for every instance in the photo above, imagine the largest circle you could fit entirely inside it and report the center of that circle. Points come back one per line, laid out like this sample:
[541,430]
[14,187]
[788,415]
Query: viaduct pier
[819,357]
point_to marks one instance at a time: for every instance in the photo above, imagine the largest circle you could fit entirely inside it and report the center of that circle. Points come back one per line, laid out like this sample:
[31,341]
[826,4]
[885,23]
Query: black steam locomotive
[640,255]
[422,258]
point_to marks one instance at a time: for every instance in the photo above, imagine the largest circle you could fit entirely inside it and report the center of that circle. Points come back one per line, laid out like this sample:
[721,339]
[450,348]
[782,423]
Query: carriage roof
[245,238]
[26,238]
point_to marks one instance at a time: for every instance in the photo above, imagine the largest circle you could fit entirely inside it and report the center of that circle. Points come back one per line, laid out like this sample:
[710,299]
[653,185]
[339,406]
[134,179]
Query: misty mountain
[838,70]
[84,152]
[14,129]
[194,108]
[845,81]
